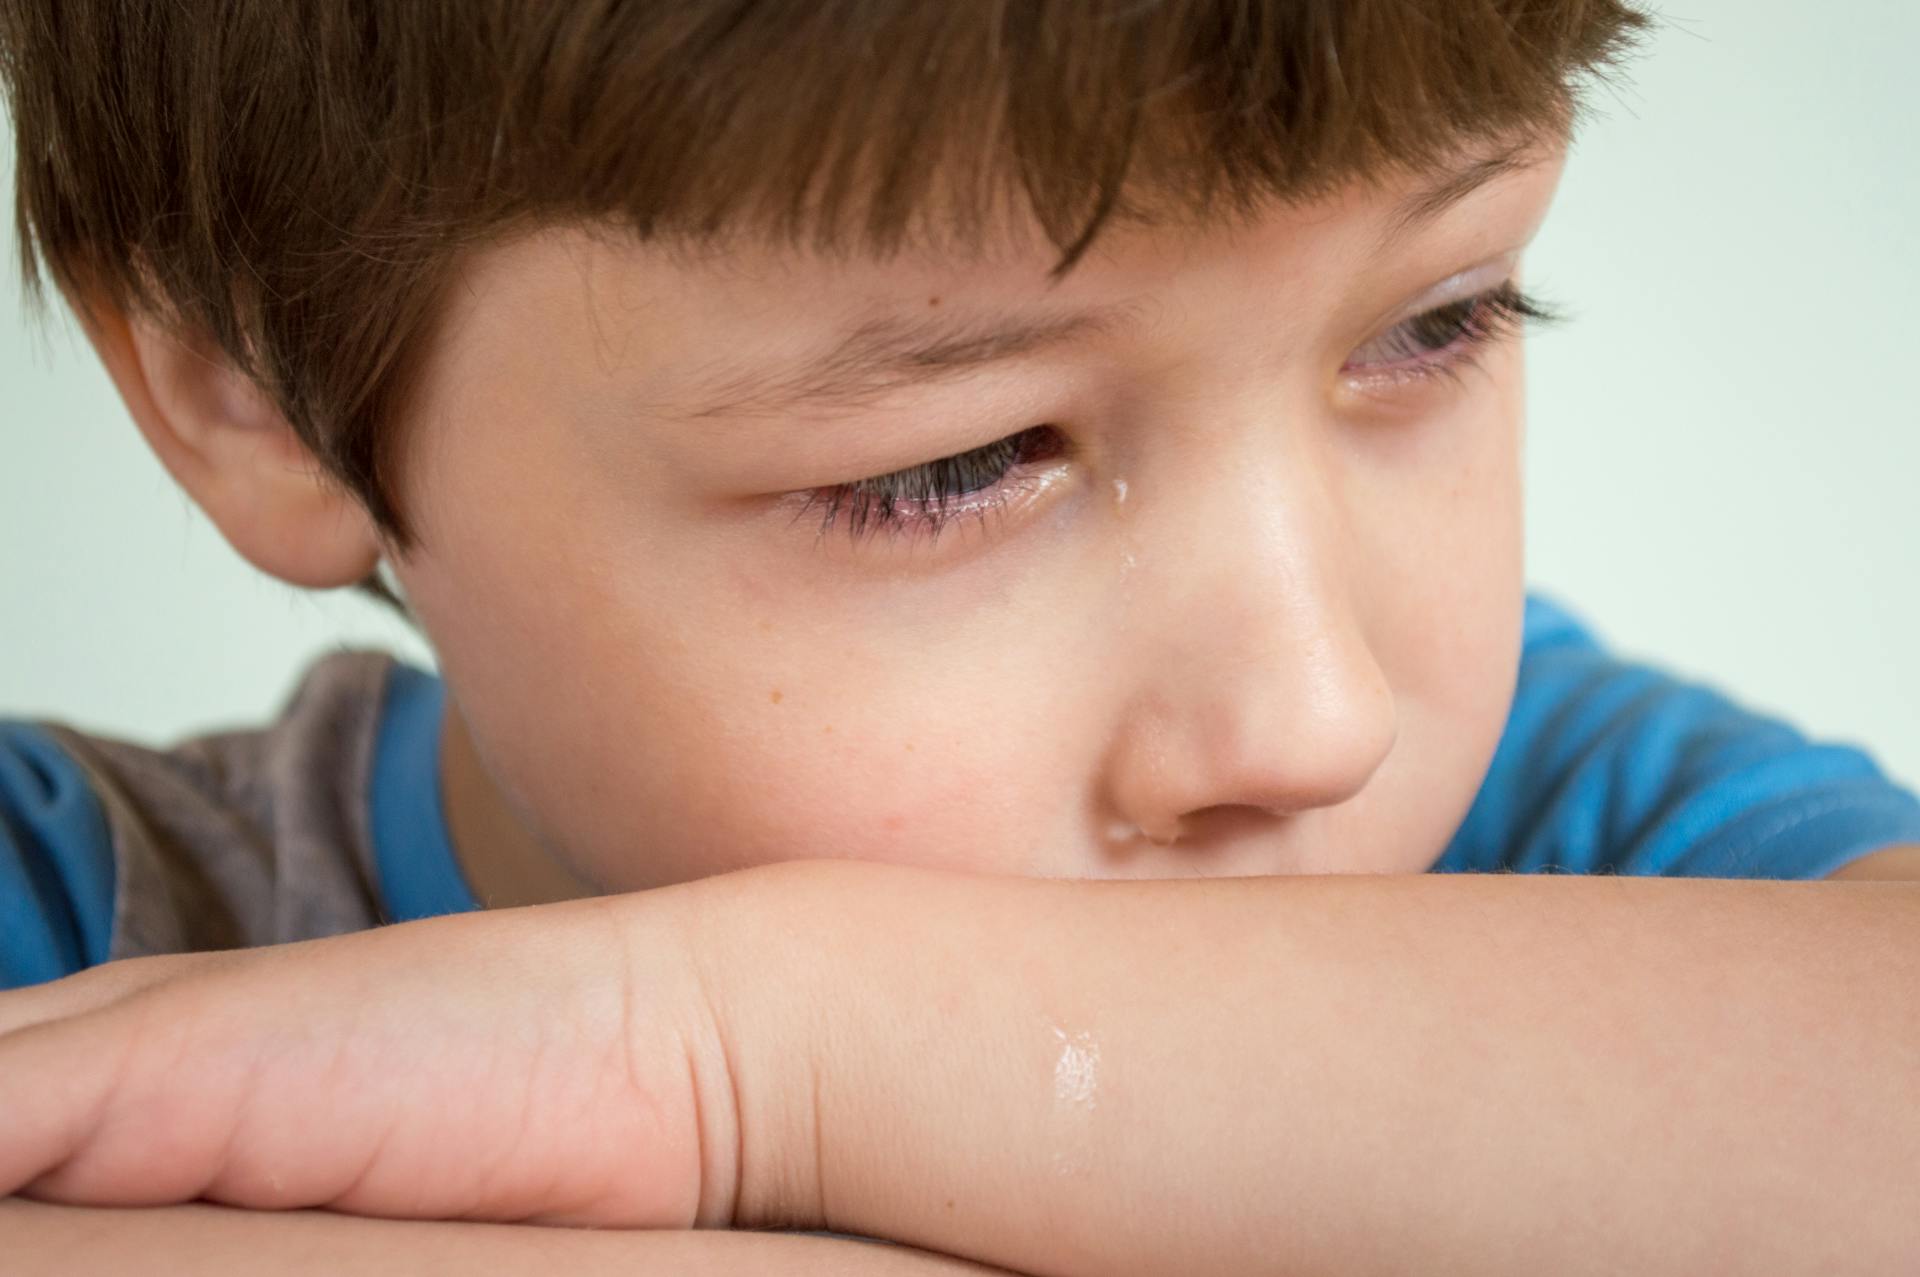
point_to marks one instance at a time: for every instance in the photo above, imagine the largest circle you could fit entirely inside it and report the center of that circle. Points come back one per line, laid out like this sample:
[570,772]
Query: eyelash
[1442,343]
[1448,340]
[930,496]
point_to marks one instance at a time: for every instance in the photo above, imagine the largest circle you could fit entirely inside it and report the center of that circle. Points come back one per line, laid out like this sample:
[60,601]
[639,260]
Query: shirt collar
[412,848]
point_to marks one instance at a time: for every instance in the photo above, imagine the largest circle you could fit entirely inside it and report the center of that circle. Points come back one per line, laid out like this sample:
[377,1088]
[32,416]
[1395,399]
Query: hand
[558,1064]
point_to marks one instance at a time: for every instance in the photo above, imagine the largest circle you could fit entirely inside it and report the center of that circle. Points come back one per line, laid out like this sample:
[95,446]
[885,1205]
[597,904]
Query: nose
[1257,689]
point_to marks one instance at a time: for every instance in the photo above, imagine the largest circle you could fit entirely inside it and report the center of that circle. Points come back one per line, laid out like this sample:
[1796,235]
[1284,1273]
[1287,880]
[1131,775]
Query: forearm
[1355,1074]
[216,1239]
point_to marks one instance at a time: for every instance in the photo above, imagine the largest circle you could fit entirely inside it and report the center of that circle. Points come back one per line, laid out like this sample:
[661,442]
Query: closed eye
[1445,340]
[928,495]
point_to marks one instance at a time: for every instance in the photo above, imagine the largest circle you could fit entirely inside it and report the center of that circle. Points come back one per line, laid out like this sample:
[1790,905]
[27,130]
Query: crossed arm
[1304,1075]
[215,1239]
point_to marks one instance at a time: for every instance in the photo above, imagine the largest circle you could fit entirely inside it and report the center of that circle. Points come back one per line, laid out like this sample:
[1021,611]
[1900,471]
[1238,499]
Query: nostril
[1231,822]
[1123,831]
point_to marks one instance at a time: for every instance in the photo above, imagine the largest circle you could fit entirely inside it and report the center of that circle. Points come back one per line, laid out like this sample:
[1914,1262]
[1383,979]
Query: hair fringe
[298,179]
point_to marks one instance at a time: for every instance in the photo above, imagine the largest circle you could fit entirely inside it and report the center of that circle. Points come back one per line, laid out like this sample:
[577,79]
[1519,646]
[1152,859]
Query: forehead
[742,320]
[613,268]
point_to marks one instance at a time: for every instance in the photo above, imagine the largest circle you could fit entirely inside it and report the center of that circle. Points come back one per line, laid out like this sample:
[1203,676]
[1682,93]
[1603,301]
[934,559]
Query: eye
[1446,340]
[928,497]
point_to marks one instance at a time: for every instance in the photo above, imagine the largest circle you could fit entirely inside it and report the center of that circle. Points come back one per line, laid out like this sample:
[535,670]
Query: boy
[1069,441]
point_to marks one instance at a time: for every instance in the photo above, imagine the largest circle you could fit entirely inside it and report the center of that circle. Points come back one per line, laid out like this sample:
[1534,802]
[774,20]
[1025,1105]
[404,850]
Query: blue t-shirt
[1604,766]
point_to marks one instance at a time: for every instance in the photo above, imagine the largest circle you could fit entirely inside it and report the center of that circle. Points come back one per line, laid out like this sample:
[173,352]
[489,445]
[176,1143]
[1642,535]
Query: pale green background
[1724,457]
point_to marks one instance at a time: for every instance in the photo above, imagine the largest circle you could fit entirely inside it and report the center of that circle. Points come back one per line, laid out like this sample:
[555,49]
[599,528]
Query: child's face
[1247,578]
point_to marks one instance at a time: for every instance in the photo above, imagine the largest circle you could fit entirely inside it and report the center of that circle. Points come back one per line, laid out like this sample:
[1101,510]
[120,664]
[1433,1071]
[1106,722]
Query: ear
[223,440]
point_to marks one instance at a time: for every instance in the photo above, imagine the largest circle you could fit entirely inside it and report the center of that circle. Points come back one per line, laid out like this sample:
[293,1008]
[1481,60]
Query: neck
[502,860]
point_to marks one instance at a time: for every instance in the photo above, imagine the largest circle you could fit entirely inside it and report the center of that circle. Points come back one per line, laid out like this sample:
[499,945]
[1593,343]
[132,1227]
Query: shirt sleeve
[1607,766]
[56,862]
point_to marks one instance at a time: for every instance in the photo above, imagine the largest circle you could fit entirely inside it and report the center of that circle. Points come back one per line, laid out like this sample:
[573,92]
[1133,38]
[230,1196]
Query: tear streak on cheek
[1076,1089]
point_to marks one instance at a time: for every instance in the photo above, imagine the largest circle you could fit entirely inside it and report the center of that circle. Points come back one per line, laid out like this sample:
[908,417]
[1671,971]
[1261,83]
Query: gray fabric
[246,837]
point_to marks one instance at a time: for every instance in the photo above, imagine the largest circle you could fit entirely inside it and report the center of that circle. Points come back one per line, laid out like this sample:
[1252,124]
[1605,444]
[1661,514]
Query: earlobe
[225,441]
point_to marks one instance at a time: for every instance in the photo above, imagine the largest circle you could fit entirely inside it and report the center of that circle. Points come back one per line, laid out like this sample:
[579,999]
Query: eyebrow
[887,353]
[1423,206]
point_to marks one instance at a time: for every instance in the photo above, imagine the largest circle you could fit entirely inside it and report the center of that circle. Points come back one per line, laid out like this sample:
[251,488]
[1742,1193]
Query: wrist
[886,1028]
[827,985]
[765,950]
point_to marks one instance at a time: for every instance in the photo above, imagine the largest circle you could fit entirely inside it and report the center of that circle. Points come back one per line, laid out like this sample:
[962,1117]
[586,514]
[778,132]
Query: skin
[1305,1075]
[1035,693]
[1289,650]
[213,1239]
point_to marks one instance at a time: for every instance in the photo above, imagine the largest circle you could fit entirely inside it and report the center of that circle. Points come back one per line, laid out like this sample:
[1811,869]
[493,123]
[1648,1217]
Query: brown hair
[297,178]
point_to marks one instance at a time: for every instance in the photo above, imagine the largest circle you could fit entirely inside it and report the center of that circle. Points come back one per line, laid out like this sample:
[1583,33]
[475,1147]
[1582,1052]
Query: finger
[56,1082]
[96,987]
[329,1077]
[134,1104]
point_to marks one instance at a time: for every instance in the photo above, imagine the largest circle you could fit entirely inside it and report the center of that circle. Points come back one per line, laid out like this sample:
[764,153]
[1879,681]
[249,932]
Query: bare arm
[219,1239]
[1347,1075]
[1344,1075]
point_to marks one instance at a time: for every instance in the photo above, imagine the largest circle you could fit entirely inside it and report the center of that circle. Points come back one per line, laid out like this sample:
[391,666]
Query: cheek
[669,718]
[701,721]
[1439,518]
[670,776]
[1437,522]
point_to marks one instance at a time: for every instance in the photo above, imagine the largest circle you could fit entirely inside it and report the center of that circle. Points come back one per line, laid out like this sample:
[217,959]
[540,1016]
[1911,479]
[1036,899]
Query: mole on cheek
[774,696]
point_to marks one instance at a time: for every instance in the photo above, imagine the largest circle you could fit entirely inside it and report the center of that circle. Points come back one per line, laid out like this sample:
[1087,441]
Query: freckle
[766,627]
[949,1203]
[827,730]
[933,301]
[909,747]
[774,696]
